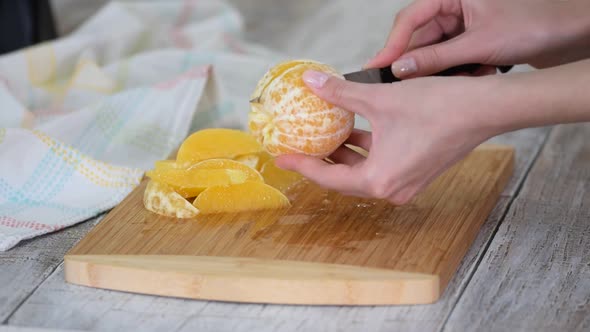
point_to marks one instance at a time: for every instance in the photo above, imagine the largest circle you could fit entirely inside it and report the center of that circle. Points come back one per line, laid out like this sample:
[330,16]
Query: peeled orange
[286,117]
[247,196]
[162,199]
[216,143]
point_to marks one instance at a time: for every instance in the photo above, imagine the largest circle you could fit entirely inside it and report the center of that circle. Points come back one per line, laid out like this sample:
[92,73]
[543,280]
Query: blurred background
[344,33]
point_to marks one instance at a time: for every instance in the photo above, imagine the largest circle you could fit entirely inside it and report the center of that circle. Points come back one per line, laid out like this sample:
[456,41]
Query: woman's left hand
[420,127]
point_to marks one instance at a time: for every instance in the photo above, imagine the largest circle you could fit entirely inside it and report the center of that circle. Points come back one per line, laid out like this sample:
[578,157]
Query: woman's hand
[420,128]
[431,35]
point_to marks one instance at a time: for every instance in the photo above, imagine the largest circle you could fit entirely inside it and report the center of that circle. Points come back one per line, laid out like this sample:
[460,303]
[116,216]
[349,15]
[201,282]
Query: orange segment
[216,143]
[279,178]
[189,182]
[254,160]
[272,74]
[162,199]
[228,164]
[250,160]
[247,196]
[289,118]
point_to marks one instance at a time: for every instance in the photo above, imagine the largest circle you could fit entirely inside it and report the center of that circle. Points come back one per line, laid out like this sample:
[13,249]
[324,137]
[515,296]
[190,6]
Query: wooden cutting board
[325,249]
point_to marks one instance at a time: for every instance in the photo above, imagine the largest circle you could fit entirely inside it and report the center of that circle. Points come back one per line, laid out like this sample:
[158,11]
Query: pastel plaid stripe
[107,101]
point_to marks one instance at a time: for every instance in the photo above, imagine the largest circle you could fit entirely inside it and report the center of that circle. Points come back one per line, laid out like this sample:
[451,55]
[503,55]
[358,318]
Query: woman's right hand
[429,36]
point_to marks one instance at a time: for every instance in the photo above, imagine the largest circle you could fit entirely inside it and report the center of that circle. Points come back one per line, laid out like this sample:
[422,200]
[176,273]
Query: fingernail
[404,67]
[315,79]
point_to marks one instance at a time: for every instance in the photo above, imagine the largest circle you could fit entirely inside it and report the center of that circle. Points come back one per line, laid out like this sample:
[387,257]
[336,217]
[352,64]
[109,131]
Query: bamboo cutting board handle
[251,279]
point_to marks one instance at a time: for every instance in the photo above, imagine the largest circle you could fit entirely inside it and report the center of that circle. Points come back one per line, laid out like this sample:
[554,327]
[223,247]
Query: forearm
[538,98]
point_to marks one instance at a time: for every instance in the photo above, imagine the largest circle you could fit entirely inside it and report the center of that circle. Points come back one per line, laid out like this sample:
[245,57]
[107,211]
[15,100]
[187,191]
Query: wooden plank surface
[536,273]
[25,267]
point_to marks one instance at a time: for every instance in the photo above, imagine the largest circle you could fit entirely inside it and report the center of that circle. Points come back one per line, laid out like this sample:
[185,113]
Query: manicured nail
[315,79]
[404,67]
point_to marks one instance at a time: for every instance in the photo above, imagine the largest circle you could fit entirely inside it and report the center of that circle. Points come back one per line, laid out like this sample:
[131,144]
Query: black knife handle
[388,77]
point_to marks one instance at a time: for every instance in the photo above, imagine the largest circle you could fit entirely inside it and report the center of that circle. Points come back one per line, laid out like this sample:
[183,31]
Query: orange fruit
[216,143]
[189,182]
[163,200]
[250,160]
[247,196]
[279,178]
[254,160]
[286,117]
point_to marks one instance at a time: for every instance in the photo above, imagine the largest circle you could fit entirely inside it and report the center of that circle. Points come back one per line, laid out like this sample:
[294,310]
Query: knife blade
[385,75]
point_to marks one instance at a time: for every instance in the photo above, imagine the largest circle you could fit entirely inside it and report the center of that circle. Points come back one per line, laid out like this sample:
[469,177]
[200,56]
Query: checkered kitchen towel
[82,117]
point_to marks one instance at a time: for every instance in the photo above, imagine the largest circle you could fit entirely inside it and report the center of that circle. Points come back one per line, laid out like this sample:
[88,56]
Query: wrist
[491,102]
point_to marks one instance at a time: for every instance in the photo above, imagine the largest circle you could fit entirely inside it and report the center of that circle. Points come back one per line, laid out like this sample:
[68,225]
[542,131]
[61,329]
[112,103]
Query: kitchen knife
[384,75]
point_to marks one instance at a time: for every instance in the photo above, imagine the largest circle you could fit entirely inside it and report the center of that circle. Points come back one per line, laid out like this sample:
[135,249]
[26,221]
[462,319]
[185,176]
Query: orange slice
[279,178]
[189,182]
[250,160]
[216,143]
[254,160]
[247,196]
[251,173]
[163,200]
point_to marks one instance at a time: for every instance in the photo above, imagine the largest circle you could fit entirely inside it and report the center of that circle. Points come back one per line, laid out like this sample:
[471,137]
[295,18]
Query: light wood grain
[251,279]
[25,267]
[527,144]
[429,236]
[6,328]
[536,274]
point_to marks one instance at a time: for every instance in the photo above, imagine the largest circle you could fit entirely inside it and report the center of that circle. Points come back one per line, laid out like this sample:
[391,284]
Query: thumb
[432,59]
[351,96]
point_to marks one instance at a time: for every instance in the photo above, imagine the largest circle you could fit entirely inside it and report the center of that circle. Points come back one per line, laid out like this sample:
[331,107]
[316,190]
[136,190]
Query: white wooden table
[528,270]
